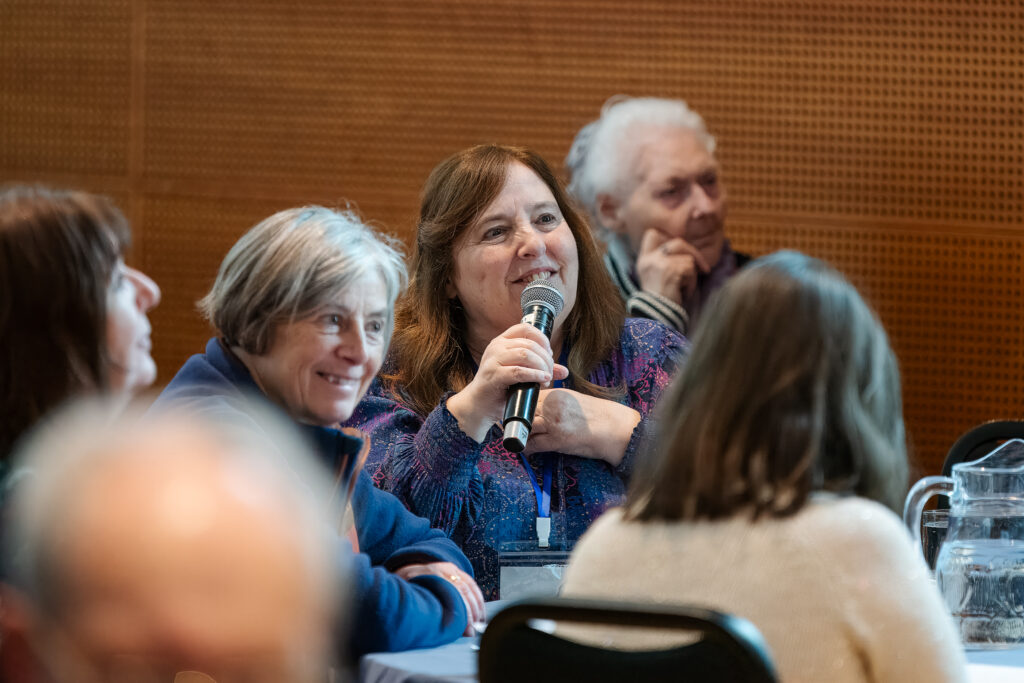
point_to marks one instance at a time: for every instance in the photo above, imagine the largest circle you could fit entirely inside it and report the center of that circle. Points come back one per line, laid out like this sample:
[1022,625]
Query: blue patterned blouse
[480,494]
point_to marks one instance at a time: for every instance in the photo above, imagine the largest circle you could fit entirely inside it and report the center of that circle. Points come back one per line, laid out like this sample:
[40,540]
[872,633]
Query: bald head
[176,543]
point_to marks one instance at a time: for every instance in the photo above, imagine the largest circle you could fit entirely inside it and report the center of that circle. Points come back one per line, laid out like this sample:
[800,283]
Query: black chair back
[980,440]
[730,649]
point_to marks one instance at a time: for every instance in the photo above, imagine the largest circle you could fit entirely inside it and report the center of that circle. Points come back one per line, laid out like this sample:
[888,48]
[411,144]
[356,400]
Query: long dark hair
[791,387]
[58,250]
[428,353]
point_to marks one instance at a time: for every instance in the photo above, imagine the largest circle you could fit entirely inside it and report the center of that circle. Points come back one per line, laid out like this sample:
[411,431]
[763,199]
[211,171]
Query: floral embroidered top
[481,494]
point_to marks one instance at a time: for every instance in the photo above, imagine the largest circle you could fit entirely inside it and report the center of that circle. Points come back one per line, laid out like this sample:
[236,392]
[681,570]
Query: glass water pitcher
[980,565]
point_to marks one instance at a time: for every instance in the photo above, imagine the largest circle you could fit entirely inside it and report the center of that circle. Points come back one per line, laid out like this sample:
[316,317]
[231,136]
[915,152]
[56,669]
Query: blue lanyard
[543,491]
[543,494]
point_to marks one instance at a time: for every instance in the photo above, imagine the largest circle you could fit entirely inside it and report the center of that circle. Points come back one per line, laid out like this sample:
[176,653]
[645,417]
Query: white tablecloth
[996,666]
[456,663]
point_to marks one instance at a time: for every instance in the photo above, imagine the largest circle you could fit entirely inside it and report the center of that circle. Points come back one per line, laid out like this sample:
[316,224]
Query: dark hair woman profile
[72,324]
[492,220]
[780,457]
[72,314]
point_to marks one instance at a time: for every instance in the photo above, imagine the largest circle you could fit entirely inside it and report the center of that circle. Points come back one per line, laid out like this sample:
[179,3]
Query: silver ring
[454,577]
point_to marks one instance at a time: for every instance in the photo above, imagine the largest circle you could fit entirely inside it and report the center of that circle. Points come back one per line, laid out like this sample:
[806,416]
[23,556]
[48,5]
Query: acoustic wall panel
[65,87]
[885,137]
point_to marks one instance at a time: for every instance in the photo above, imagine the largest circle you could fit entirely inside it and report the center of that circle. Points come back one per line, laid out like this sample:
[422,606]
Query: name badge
[532,573]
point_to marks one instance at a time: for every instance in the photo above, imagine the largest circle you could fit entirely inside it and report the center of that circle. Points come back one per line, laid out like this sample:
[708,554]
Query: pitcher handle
[918,497]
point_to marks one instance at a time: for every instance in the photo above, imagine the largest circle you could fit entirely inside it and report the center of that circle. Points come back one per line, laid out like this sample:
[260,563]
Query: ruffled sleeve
[428,463]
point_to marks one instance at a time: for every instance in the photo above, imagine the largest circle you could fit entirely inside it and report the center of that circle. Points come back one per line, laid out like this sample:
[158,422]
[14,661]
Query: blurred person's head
[791,388]
[646,163]
[492,219]
[306,300]
[72,314]
[144,546]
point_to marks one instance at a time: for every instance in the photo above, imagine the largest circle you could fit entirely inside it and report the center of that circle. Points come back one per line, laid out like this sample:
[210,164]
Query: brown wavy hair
[791,387]
[428,353]
[58,250]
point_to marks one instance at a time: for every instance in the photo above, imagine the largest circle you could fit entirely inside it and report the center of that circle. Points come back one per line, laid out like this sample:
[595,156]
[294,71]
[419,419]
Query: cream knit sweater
[838,590]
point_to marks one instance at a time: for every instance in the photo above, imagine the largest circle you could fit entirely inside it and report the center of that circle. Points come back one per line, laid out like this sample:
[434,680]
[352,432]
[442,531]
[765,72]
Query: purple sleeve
[429,464]
[651,355]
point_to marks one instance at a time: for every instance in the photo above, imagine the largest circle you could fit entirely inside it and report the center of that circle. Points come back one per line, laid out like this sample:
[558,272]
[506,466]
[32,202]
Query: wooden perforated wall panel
[885,137]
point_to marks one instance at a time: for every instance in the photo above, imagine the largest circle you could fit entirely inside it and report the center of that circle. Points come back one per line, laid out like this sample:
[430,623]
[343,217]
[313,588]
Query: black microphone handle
[519,410]
[522,398]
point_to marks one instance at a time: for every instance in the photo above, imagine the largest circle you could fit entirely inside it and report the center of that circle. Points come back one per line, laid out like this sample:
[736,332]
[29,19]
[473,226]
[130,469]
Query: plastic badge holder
[527,571]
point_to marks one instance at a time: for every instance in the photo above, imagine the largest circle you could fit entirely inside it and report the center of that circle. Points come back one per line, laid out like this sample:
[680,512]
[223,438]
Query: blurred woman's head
[306,299]
[72,315]
[491,219]
[102,597]
[791,387]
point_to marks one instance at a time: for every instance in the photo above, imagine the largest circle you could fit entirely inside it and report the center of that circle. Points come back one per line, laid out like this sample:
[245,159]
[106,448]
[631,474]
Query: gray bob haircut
[601,154]
[291,265]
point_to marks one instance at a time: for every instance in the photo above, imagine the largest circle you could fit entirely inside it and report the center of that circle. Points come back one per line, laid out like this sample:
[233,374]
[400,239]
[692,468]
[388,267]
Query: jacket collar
[345,450]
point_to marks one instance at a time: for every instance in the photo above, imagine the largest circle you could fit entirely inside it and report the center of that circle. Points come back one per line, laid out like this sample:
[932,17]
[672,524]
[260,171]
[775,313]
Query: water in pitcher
[983,584]
[933,535]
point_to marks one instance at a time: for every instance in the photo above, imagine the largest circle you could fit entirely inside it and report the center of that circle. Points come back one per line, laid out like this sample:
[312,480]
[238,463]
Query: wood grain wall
[885,137]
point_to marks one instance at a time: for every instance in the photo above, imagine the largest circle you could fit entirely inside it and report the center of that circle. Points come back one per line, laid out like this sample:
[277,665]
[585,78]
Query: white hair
[603,150]
[71,451]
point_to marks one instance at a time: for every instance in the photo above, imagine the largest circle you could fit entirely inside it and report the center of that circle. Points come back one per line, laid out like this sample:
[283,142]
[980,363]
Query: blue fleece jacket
[390,613]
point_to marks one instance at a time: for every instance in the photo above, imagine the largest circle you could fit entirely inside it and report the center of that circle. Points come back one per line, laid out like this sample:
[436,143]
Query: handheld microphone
[541,305]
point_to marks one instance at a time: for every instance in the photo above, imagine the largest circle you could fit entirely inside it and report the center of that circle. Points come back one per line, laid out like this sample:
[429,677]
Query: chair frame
[732,634]
[969,441]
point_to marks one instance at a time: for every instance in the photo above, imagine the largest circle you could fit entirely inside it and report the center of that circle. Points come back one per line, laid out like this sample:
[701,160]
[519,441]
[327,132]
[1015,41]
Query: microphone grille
[539,292]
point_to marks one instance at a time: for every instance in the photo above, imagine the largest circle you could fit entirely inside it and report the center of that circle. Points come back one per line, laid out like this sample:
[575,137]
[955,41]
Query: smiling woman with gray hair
[303,259]
[304,307]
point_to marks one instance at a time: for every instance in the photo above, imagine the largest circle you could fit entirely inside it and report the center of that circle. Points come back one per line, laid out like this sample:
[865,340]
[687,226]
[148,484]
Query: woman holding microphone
[493,220]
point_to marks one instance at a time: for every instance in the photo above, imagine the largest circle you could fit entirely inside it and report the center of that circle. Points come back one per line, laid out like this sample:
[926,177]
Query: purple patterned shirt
[480,494]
